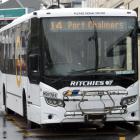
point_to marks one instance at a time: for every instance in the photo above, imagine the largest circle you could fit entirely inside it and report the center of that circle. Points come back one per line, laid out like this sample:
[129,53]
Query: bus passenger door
[33,97]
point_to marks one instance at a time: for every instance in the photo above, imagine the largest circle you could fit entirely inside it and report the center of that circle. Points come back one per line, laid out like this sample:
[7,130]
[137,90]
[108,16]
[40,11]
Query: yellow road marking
[122,138]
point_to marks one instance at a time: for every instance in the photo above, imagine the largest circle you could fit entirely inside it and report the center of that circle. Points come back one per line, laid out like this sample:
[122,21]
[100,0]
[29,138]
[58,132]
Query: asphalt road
[13,127]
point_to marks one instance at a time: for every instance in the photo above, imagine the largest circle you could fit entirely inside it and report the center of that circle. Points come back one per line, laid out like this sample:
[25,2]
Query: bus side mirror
[138,27]
[34,71]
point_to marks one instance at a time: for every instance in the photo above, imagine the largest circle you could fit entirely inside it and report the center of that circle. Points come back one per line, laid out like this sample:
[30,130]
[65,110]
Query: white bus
[71,66]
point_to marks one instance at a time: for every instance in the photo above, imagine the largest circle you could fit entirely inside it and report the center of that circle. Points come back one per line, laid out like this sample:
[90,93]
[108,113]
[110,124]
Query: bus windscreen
[81,45]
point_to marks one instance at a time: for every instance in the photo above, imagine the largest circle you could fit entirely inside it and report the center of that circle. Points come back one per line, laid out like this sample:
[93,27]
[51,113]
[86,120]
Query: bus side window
[34,40]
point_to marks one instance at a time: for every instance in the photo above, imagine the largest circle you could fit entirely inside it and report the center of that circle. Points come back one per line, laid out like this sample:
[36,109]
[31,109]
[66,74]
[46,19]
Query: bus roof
[72,12]
[63,12]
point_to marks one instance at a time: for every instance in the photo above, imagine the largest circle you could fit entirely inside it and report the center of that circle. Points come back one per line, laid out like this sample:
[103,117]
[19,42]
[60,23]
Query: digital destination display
[62,25]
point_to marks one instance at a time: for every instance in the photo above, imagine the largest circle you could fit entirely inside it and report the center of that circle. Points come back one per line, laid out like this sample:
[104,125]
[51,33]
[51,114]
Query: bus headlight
[61,103]
[128,100]
[52,100]
[55,102]
[49,101]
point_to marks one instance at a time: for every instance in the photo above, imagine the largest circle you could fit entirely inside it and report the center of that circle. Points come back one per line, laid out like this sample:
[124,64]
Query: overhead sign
[12,13]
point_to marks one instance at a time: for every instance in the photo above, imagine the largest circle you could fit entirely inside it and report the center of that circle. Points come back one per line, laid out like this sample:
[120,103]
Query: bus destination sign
[61,26]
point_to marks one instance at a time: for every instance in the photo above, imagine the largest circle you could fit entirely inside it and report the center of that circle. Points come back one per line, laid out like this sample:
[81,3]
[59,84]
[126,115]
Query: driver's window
[119,53]
[129,53]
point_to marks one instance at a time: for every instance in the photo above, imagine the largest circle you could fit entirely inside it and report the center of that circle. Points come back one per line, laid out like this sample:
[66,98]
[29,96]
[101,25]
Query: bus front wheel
[30,124]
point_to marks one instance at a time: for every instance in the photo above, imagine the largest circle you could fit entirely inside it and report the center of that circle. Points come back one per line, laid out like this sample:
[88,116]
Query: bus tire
[24,105]
[4,96]
[110,125]
[136,123]
[30,124]
[7,110]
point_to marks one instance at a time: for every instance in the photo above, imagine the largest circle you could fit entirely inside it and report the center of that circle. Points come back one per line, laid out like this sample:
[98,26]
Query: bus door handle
[29,102]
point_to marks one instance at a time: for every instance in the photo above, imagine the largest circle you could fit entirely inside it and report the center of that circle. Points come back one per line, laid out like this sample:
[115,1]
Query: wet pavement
[8,131]
[13,127]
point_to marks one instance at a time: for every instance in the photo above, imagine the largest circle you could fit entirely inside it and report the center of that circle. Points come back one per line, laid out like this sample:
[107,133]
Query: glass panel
[88,45]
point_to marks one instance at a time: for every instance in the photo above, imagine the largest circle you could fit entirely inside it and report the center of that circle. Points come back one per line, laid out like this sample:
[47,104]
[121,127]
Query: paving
[14,127]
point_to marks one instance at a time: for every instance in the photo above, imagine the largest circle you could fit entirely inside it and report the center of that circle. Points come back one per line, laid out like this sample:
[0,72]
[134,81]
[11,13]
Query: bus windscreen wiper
[82,71]
[91,70]
[94,37]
